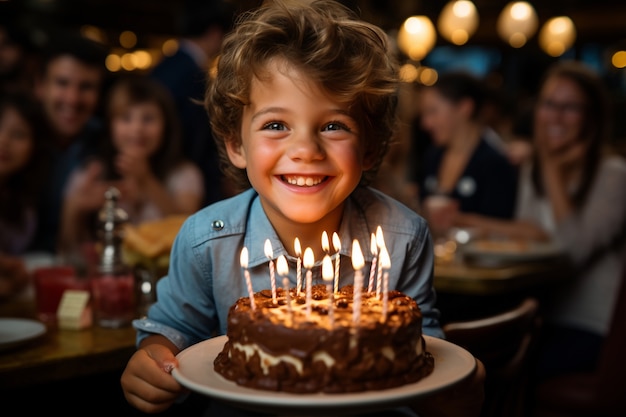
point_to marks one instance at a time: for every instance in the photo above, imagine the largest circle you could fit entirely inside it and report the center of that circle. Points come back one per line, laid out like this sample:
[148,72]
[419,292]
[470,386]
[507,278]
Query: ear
[236,153]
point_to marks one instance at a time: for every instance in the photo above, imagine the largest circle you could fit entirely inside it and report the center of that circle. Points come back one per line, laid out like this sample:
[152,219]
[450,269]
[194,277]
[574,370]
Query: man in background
[203,26]
[68,86]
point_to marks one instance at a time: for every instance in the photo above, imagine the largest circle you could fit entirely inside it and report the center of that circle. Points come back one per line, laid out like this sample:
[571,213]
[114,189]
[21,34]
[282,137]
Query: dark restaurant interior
[502,278]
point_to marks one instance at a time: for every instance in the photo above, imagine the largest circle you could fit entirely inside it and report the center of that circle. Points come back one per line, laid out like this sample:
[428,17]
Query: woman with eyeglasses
[573,192]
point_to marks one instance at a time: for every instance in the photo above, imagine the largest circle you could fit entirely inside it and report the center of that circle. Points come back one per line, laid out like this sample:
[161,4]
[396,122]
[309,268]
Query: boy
[302,108]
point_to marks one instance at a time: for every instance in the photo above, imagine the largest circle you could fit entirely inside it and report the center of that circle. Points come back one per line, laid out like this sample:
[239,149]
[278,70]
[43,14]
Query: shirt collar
[353,226]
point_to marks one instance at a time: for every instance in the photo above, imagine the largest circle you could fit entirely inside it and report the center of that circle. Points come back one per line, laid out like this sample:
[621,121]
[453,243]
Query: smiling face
[560,113]
[301,150]
[69,92]
[16,142]
[138,129]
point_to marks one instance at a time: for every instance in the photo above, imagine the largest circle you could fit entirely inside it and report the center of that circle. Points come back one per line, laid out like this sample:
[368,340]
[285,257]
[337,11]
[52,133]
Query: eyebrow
[282,109]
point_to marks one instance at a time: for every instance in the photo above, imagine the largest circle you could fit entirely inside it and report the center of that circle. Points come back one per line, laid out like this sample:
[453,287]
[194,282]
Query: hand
[13,276]
[133,165]
[562,154]
[88,195]
[464,399]
[147,382]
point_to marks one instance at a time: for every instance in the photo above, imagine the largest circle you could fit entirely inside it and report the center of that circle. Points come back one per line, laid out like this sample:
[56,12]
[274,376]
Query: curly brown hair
[323,39]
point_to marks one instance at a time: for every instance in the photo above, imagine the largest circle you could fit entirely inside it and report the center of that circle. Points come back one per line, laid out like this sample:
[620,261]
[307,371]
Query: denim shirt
[205,276]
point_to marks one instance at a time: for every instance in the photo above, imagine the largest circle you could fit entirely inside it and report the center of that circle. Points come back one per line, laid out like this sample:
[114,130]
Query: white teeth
[304,181]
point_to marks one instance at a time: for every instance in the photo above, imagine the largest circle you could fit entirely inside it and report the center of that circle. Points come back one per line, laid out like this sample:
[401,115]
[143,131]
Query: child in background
[22,163]
[141,156]
[303,109]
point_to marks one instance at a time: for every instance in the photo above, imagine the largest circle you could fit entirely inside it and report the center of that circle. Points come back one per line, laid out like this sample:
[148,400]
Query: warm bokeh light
[129,62]
[428,76]
[113,62]
[458,21]
[557,35]
[94,33]
[408,73]
[417,37]
[517,23]
[143,59]
[170,47]
[619,59]
[128,39]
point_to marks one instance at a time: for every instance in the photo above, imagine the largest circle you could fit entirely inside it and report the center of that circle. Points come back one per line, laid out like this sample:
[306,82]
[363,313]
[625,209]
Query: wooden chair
[504,343]
[601,393]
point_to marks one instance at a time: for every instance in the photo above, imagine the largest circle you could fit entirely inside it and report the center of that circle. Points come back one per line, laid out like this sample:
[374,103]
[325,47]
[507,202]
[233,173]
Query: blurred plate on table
[17,331]
[195,371]
[485,251]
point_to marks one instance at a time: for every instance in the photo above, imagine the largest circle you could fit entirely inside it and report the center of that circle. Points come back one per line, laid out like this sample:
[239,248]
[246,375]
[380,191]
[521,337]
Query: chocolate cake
[278,348]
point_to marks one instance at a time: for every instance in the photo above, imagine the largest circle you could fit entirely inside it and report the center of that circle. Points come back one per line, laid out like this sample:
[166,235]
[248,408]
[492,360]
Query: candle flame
[373,246]
[357,256]
[380,240]
[385,260]
[296,247]
[281,266]
[328,273]
[325,244]
[309,259]
[336,242]
[268,249]
[243,258]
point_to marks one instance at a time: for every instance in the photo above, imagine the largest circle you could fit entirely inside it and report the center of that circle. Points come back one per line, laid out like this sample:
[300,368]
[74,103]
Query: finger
[164,358]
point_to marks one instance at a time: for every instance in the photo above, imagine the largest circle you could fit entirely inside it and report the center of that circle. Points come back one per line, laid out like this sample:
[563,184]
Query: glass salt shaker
[113,286]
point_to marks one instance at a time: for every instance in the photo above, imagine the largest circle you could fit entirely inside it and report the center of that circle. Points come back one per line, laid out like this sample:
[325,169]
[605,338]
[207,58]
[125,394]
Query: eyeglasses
[561,107]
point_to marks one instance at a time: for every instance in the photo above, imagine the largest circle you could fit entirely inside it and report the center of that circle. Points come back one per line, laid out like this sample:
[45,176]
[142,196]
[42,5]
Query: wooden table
[460,277]
[62,354]
[467,291]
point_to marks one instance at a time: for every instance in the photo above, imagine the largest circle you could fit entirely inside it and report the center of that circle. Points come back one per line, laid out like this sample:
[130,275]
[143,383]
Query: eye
[337,126]
[274,126]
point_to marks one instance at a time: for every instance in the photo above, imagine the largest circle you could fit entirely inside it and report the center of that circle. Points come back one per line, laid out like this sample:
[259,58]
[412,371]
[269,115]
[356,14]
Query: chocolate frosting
[343,356]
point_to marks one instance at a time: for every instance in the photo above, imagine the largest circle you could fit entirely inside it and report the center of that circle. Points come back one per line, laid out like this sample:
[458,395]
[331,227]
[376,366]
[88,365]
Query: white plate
[195,371]
[14,332]
[532,251]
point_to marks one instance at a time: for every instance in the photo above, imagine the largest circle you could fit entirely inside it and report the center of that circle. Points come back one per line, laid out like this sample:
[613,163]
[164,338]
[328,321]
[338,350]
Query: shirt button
[217,224]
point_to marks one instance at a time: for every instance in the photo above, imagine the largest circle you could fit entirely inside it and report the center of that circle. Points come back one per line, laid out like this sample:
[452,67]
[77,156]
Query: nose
[72,95]
[305,146]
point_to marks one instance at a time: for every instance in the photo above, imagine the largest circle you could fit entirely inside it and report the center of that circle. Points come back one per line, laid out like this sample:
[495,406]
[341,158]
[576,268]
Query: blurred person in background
[22,166]
[68,86]
[572,192]
[204,24]
[141,156]
[466,163]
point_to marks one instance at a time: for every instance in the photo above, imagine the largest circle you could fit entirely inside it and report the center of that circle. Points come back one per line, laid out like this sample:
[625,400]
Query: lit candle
[380,242]
[328,276]
[385,261]
[374,250]
[269,253]
[337,246]
[325,244]
[308,263]
[283,270]
[357,263]
[298,249]
[243,260]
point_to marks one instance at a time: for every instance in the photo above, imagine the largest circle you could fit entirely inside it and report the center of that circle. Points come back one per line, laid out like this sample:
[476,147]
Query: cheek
[154,136]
